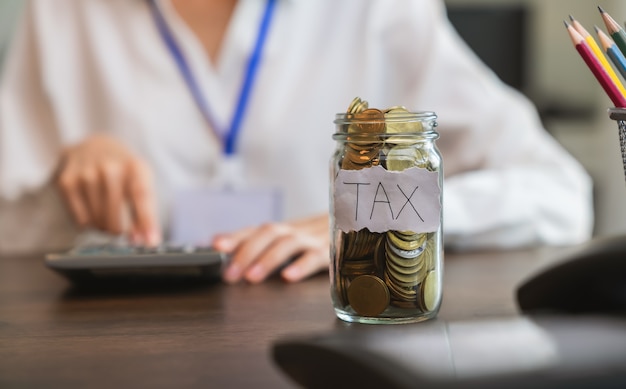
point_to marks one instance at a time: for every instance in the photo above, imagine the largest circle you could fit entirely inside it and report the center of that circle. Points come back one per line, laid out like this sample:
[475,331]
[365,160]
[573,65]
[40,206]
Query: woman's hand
[101,180]
[258,252]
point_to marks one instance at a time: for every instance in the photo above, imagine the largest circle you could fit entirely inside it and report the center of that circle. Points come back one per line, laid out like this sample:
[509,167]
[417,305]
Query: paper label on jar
[382,200]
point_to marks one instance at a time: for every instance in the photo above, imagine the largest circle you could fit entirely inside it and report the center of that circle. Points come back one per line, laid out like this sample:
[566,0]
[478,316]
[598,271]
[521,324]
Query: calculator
[122,260]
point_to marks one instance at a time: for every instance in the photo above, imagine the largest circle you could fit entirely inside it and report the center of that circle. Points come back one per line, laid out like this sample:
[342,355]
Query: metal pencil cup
[619,115]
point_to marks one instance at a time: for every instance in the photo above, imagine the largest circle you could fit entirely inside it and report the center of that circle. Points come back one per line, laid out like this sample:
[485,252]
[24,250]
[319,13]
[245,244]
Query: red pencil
[596,67]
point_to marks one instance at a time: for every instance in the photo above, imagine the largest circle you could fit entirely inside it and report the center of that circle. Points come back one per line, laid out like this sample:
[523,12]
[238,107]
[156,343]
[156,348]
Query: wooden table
[203,336]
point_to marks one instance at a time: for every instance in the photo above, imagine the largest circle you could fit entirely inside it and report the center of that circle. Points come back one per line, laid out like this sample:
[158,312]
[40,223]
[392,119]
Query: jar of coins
[386,219]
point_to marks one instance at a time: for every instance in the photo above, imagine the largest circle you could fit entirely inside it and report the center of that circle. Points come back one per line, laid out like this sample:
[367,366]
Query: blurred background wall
[524,41]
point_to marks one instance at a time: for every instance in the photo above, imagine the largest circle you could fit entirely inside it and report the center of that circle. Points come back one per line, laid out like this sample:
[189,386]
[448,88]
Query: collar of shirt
[220,83]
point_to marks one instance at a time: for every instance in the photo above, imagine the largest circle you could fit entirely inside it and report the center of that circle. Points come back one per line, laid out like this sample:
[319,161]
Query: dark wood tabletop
[210,335]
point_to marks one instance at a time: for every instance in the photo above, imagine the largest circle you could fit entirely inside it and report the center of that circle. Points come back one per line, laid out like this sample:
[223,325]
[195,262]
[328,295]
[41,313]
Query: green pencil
[615,30]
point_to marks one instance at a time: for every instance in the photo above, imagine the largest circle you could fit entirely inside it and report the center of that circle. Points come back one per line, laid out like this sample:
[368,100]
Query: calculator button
[173,249]
[204,249]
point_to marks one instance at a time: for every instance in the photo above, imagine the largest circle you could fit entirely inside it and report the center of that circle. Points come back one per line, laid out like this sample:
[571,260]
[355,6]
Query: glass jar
[386,219]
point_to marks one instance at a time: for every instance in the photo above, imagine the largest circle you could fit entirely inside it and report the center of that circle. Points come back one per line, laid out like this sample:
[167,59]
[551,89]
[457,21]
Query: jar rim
[427,117]
[347,118]
[383,136]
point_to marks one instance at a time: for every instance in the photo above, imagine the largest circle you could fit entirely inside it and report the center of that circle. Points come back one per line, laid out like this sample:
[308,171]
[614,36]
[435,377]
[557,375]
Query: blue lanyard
[229,137]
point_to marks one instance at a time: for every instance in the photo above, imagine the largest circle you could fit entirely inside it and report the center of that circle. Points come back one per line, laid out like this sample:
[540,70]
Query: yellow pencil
[597,51]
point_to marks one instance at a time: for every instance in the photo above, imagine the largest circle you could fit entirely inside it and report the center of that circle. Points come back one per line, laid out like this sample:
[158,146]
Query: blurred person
[122,104]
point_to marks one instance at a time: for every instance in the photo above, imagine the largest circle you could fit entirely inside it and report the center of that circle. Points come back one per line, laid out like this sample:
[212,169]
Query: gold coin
[404,280]
[340,284]
[379,254]
[357,104]
[397,268]
[404,260]
[406,256]
[402,157]
[429,255]
[360,244]
[406,235]
[346,164]
[398,291]
[369,121]
[363,156]
[407,245]
[362,106]
[405,283]
[399,139]
[346,238]
[401,128]
[430,292]
[396,107]
[357,268]
[390,252]
[368,295]
[361,146]
[404,304]
[396,123]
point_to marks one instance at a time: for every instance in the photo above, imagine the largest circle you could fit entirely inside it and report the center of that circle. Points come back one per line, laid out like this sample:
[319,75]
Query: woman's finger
[279,252]
[141,199]
[113,178]
[70,188]
[309,263]
[228,242]
[250,249]
[93,192]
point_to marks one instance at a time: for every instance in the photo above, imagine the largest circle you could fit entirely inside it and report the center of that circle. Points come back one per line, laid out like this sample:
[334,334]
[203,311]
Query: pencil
[615,30]
[596,67]
[613,52]
[598,52]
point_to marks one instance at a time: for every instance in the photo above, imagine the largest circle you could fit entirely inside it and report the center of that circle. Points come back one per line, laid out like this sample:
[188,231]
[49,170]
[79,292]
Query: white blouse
[81,66]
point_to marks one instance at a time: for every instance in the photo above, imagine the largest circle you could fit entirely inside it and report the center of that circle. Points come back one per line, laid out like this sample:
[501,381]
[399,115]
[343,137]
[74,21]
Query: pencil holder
[619,115]
[386,187]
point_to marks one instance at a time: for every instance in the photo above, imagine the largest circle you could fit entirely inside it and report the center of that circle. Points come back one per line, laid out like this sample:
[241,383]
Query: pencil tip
[571,18]
[566,23]
[600,9]
[596,28]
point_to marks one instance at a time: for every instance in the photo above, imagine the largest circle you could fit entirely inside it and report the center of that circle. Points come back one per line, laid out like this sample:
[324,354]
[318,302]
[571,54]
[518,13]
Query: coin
[396,122]
[340,284]
[347,164]
[396,107]
[369,121]
[358,244]
[403,157]
[357,145]
[362,106]
[404,304]
[430,293]
[357,268]
[357,105]
[407,244]
[403,293]
[406,235]
[396,268]
[379,255]
[404,280]
[368,295]
[392,256]
[362,156]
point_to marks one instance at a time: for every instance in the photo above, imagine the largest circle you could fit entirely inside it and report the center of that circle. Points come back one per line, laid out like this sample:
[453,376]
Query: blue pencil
[612,52]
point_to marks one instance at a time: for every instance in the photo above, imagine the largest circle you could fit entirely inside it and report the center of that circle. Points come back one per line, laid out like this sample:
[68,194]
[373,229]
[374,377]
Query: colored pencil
[612,51]
[598,53]
[596,67]
[615,30]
